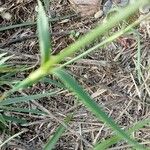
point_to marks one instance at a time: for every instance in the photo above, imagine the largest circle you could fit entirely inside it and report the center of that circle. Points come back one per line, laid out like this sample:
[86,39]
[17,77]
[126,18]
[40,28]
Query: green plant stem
[114,139]
[60,130]
[43,34]
[96,109]
[82,42]
[97,32]
[108,40]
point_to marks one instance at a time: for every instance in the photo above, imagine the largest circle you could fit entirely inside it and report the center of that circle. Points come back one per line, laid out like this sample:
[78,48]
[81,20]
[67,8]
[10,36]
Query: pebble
[98,14]
[107,6]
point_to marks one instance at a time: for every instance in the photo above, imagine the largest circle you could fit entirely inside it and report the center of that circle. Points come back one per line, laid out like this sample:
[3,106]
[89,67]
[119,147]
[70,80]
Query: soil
[109,75]
[86,7]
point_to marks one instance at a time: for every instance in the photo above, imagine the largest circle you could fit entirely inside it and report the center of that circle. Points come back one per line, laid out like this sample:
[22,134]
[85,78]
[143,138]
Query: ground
[109,74]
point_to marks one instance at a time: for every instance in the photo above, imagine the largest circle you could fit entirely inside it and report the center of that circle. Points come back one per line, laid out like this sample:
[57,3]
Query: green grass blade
[2,127]
[14,119]
[25,24]
[60,130]
[43,33]
[93,106]
[107,41]
[23,110]
[2,120]
[82,42]
[51,144]
[26,98]
[46,4]
[98,31]
[114,139]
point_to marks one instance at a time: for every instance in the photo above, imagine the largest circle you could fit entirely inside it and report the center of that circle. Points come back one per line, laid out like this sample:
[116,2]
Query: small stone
[2,9]
[6,16]
[98,14]
[86,7]
[36,8]
[107,6]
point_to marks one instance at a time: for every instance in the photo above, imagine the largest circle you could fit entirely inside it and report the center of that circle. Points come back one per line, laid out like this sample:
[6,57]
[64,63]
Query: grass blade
[14,119]
[97,32]
[82,42]
[114,139]
[26,24]
[107,41]
[43,32]
[23,110]
[26,98]
[46,5]
[2,120]
[60,130]
[93,106]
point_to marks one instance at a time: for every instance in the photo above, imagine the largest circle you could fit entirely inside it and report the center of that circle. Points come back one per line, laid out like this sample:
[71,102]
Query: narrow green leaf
[26,98]
[2,120]
[51,144]
[34,77]
[114,139]
[6,76]
[94,107]
[106,41]
[24,110]
[2,127]
[14,119]
[13,69]
[82,42]
[46,4]
[97,32]
[60,130]
[43,33]
[26,24]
